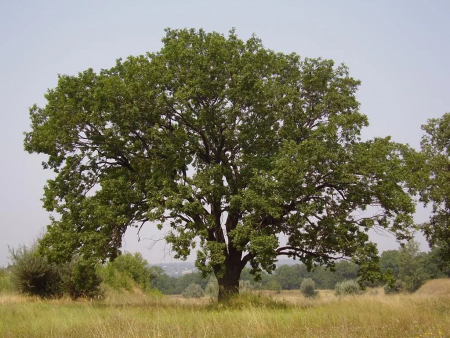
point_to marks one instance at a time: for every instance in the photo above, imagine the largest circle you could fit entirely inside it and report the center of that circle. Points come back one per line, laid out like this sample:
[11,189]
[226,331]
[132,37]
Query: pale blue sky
[399,49]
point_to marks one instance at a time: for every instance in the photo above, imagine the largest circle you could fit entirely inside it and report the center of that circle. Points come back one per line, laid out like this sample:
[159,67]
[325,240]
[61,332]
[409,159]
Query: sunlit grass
[287,314]
[435,287]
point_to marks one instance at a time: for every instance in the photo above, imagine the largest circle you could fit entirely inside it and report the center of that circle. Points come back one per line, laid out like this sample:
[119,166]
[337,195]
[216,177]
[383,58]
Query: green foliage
[193,291]
[436,264]
[79,278]
[172,285]
[288,277]
[161,281]
[128,271]
[411,266]
[323,278]
[33,274]
[246,274]
[389,260]
[348,288]
[273,285]
[134,266]
[341,271]
[116,279]
[191,278]
[435,189]
[223,140]
[308,288]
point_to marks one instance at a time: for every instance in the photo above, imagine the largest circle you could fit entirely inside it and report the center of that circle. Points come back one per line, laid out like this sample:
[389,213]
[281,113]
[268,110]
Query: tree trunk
[229,281]
[228,284]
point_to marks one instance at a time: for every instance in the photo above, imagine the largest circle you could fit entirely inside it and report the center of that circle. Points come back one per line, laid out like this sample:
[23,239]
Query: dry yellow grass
[425,314]
[435,287]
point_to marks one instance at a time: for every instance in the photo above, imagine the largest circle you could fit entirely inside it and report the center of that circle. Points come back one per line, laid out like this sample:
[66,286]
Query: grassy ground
[288,314]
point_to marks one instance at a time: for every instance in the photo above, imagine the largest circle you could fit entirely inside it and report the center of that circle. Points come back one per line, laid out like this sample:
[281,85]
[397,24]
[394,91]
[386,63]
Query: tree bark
[229,284]
[229,280]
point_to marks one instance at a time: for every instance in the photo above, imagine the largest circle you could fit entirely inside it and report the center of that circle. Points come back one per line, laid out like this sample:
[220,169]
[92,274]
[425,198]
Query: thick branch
[301,253]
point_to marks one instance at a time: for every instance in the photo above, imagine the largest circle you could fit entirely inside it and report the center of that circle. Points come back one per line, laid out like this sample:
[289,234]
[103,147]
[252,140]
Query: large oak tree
[247,153]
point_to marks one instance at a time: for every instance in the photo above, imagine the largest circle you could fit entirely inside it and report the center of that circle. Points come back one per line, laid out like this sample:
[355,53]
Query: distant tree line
[411,267]
[407,265]
[285,277]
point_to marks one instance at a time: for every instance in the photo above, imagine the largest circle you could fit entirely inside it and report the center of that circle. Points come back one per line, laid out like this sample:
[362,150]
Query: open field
[288,314]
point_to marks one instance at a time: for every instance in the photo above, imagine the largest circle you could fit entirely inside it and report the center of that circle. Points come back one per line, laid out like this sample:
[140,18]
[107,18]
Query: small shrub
[80,279]
[308,288]
[116,279]
[33,274]
[347,288]
[193,291]
[126,272]
[413,283]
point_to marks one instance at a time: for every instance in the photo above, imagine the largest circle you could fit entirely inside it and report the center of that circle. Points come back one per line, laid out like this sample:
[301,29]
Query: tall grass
[5,281]
[287,314]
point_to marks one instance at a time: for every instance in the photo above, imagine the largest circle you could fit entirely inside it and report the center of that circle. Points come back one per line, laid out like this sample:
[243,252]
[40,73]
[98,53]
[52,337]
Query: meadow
[287,314]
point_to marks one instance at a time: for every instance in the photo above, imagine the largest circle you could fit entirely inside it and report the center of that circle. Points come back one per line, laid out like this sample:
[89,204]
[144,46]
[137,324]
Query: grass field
[288,314]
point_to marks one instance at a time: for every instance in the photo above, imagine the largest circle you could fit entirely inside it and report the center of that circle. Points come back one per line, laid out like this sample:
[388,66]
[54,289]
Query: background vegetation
[33,274]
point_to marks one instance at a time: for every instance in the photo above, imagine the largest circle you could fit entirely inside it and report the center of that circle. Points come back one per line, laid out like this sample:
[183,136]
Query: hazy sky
[400,50]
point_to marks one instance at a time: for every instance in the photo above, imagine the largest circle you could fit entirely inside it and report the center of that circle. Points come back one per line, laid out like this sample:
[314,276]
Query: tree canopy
[228,143]
[436,189]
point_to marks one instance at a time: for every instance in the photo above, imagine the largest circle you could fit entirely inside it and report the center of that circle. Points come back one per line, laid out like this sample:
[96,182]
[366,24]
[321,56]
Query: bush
[33,274]
[116,279]
[127,271]
[413,283]
[193,291]
[308,288]
[348,288]
[80,279]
